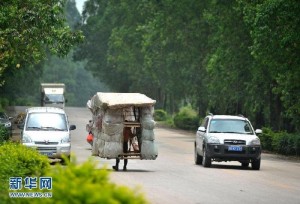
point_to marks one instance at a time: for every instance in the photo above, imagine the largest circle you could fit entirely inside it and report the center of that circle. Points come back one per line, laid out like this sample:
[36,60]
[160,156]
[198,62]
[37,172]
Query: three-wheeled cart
[112,112]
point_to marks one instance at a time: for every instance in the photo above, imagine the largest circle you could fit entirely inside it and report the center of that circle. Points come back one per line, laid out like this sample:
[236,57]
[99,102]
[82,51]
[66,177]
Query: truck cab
[52,95]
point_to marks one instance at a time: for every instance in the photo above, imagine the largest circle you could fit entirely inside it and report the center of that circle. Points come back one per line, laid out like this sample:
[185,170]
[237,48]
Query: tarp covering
[120,100]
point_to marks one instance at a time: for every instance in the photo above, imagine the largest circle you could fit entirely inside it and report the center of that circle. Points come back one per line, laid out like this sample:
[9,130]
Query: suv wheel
[206,161]
[198,158]
[256,164]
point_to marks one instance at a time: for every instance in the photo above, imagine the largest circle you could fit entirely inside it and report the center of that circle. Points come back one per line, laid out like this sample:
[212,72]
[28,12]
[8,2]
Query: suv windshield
[46,121]
[230,126]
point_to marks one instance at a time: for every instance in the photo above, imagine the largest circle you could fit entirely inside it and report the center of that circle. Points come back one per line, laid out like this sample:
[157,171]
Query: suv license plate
[235,148]
[47,153]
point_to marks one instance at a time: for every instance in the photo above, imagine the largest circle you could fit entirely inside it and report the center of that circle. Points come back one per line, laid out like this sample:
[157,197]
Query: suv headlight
[213,139]
[26,139]
[66,139]
[255,142]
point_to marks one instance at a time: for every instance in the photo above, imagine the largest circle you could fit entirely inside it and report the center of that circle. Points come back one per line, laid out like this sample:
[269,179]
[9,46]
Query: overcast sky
[79,5]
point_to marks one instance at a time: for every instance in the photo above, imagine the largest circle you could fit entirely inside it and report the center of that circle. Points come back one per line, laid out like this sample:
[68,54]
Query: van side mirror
[72,127]
[201,129]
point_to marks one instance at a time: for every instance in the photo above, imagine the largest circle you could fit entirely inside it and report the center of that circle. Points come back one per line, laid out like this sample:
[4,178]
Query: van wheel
[198,158]
[206,161]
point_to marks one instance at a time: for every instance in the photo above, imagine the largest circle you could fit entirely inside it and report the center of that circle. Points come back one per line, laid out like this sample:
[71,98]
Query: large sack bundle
[149,110]
[95,151]
[148,123]
[101,144]
[112,149]
[148,135]
[112,128]
[149,150]
[113,138]
[113,116]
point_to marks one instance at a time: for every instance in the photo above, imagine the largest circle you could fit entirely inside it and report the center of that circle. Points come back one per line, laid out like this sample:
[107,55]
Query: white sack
[113,138]
[147,134]
[95,151]
[100,145]
[149,150]
[112,128]
[112,149]
[128,114]
[148,124]
[113,116]
[149,110]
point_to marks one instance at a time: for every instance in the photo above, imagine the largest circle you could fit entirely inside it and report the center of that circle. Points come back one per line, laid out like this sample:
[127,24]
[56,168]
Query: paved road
[174,178]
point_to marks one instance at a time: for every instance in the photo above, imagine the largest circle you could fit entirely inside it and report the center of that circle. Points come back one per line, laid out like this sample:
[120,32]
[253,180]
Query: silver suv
[47,130]
[227,138]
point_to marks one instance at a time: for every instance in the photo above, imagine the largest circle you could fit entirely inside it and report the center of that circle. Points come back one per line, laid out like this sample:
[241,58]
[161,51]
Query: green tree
[28,28]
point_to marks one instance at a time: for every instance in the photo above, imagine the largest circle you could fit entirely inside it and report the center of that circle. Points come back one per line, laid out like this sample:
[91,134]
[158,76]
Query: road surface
[174,178]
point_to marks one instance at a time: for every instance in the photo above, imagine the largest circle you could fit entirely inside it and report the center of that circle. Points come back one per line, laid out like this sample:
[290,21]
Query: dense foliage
[4,134]
[186,119]
[225,57]
[22,85]
[19,160]
[28,27]
[160,115]
[89,184]
[280,142]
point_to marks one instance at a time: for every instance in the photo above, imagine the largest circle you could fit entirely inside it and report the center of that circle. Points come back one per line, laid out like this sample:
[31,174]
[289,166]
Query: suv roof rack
[241,115]
[210,114]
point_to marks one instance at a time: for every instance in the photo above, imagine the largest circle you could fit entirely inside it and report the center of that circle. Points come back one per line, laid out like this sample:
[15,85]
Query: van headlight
[26,139]
[255,142]
[213,140]
[66,139]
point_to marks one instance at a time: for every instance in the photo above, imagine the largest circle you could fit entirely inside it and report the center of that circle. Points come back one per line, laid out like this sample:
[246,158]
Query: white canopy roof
[120,100]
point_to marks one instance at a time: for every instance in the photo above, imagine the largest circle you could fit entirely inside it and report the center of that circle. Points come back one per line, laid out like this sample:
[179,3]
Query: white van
[47,129]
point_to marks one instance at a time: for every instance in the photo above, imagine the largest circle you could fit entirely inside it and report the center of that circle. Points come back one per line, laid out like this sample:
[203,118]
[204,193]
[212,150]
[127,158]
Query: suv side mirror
[258,131]
[201,129]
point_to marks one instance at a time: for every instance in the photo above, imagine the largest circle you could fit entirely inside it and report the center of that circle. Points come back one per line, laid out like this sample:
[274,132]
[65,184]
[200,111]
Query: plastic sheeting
[149,150]
[147,135]
[112,149]
[112,128]
[120,100]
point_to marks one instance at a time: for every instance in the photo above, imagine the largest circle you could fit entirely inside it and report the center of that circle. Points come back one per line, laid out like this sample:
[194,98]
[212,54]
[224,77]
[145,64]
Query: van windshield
[54,98]
[46,121]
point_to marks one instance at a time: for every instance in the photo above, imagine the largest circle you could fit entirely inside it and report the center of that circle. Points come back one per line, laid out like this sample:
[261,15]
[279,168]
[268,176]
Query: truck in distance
[52,95]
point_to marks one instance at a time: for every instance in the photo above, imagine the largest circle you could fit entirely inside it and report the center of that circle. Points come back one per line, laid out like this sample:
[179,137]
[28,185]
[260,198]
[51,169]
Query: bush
[266,139]
[4,102]
[85,183]
[70,184]
[280,142]
[160,115]
[186,119]
[17,160]
[4,134]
